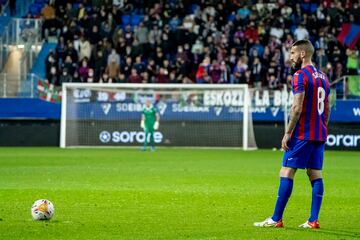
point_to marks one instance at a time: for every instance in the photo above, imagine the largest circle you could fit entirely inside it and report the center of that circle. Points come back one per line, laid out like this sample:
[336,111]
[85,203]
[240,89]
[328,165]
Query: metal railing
[22,34]
[13,86]
[344,88]
[21,9]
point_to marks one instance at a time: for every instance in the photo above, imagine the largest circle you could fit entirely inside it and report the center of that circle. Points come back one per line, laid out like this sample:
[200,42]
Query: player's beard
[297,64]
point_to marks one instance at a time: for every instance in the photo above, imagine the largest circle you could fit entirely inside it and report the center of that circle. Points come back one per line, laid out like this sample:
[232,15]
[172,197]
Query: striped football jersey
[312,123]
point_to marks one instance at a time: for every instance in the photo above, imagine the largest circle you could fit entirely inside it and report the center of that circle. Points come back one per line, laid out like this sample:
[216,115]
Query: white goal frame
[245,87]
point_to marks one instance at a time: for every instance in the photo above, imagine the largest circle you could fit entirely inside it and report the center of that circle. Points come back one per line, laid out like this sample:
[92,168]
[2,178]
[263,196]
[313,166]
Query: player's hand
[285,140]
[142,124]
[156,125]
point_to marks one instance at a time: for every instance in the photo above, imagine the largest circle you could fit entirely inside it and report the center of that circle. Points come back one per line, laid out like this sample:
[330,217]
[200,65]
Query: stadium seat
[293,28]
[125,19]
[76,5]
[35,9]
[309,7]
[136,19]
[193,8]
[231,17]
[41,1]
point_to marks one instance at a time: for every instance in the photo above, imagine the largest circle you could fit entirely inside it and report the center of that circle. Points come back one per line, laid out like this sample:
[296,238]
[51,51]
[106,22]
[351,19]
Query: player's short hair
[305,45]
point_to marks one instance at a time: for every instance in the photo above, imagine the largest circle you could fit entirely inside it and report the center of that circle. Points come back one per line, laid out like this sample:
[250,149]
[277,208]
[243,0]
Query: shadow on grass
[337,232]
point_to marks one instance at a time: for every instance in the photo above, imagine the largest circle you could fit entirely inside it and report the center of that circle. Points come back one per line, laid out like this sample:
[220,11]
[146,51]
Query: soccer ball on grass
[42,209]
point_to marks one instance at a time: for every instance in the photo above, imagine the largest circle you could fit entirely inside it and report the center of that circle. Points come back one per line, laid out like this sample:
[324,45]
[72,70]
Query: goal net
[191,115]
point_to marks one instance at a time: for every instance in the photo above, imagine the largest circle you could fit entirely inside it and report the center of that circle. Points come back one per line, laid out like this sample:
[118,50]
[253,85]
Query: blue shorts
[304,154]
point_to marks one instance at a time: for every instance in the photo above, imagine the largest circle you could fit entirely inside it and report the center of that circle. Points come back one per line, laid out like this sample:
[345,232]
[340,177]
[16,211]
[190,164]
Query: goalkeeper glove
[142,124]
[156,125]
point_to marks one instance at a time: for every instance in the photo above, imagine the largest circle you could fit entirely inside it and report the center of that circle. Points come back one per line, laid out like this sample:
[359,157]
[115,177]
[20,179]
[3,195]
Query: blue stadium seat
[293,28]
[193,8]
[125,19]
[136,19]
[76,5]
[310,7]
[42,2]
[35,9]
[231,17]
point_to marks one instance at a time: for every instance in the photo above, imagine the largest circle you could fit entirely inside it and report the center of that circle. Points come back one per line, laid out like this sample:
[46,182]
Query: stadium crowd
[181,41]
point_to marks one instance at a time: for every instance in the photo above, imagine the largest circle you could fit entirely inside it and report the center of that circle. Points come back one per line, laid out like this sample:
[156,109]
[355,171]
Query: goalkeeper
[149,122]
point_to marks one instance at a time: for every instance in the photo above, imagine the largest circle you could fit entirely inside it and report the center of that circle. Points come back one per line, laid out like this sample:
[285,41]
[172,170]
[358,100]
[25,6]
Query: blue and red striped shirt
[312,123]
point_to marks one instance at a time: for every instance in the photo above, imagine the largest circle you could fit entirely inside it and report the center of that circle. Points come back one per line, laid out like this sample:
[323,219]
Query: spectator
[239,71]
[50,62]
[69,65]
[145,77]
[65,77]
[53,76]
[151,70]
[257,72]
[70,51]
[163,76]
[91,77]
[202,74]
[113,69]
[84,70]
[139,65]
[225,73]
[273,75]
[301,33]
[215,72]
[175,39]
[198,47]
[113,57]
[121,78]
[352,63]
[48,12]
[50,24]
[105,78]
[85,48]
[134,77]
[94,35]
[142,34]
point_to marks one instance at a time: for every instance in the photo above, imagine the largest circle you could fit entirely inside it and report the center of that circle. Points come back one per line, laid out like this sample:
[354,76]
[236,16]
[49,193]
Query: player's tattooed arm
[295,112]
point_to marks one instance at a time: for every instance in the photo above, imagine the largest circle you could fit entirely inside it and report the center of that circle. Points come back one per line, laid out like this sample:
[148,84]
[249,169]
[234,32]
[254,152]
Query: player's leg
[145,140]
[296,157]
[152,142]
[285,188]
[315,176]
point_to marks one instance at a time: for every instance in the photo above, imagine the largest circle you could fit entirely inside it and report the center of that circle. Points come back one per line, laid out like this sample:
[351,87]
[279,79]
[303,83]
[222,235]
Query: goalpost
[191,115]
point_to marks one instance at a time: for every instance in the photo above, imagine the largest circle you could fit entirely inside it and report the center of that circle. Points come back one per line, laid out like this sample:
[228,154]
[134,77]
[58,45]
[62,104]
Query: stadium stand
[245,41]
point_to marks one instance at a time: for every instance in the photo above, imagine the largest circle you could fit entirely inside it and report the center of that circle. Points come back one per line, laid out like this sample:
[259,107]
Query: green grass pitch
[169,194]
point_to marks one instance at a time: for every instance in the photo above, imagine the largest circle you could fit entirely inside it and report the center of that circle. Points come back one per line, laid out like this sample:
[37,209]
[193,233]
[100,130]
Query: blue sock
[285,189]
[317,195]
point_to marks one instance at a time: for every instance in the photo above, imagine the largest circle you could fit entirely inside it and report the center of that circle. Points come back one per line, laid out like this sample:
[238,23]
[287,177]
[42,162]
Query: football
[42,209]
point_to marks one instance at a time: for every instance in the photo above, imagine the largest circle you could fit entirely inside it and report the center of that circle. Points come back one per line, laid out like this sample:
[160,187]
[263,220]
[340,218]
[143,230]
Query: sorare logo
[128,137]
[343,140]
[105,137]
